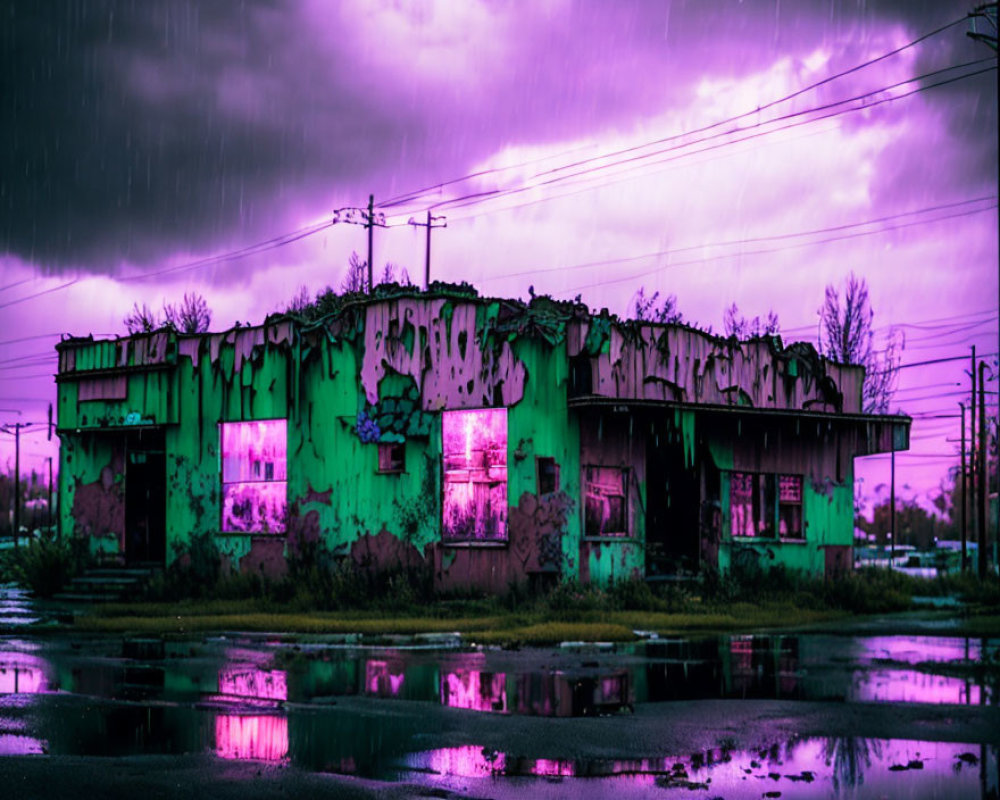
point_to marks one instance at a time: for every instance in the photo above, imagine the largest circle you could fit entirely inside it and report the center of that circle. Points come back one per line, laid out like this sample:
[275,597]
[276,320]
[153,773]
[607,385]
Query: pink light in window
[254,474]
[257,738]
[254,451]
[249,682]
[474,690]
[474,452]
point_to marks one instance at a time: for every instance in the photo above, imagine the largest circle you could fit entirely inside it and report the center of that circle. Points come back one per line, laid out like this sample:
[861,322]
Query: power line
[437,187]
[30,338]
[478,197]
[769,250]
[750,240]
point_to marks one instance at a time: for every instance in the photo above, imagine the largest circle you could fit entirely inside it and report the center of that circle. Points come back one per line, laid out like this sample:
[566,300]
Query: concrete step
[88,597]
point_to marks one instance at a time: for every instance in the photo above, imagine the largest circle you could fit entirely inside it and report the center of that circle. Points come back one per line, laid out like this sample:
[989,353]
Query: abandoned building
[489,442]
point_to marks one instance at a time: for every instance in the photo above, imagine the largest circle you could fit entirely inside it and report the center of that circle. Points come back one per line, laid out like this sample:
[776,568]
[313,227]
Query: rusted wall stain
[441,352]
[536,527]
[385,553]
[266,557]
[99,507]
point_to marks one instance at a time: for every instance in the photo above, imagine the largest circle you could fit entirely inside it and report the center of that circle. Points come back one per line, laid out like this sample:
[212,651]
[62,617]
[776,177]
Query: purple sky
[145,136]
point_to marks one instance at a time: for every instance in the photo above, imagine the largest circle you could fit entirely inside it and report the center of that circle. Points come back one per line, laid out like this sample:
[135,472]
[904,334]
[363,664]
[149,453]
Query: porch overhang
[883,433]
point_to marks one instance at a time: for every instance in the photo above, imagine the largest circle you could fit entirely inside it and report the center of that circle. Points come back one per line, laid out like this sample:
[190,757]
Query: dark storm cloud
[139,128]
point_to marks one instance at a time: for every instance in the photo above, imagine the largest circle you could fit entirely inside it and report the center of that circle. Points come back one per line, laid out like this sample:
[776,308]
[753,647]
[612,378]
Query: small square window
[391,457]
[547,474]
[790,506]
[605,506]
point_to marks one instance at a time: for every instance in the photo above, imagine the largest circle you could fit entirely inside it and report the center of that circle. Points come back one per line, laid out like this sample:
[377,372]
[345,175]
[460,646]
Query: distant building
[488,441]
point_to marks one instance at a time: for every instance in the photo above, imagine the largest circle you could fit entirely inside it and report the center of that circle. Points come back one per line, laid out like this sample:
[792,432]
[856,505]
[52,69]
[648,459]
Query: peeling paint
[626,419]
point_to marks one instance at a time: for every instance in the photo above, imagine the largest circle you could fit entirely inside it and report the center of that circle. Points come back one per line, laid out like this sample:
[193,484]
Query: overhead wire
[771,104]
[480,196]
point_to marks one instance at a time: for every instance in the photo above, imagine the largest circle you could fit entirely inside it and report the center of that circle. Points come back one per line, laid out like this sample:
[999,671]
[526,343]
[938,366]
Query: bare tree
[301,301]
[847,335]
[140,319]
[191,315]
[735,324]
[356,280]
[646,310]
[392,273]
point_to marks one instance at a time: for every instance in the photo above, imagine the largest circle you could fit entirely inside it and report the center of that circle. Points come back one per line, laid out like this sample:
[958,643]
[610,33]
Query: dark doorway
[145,498]
[672,506]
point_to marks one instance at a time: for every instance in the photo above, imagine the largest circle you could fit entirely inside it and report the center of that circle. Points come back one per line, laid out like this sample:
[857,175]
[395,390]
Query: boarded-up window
[474,455]
[391,457]
[548,475]
[758,502]
[254,479]
[605,501]
[751,504]
[790,506]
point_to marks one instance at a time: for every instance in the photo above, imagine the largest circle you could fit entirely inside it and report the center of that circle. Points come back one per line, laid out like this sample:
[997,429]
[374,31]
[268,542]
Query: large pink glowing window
[474,454]
[253,476]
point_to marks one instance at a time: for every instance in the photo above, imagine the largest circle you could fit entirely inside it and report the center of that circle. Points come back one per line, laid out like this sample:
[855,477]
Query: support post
[984,478]
[965,533]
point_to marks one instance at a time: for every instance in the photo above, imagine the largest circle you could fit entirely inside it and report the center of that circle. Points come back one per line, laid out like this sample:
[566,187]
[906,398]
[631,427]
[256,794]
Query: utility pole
[17,426]
[368,218]
[984,478]
[965,554]
[892,506]
[370,224]
[973,469]
[431,220]
[50,496]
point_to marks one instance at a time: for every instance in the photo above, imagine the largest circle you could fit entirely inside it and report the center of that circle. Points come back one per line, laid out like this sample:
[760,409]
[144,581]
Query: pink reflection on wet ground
[251,683]
[256,738]
[383,679]
[12,744]
[471,689]
[911,686]
[467,761]
[803,768]
[915,649]
[22,673]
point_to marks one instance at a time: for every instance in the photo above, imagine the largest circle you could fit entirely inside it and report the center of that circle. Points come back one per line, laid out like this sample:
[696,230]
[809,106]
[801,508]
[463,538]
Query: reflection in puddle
[814,767]
[22,673]
[12,744]
[910,686]
[250,683]
[258,738]
[383,679]
[478,691]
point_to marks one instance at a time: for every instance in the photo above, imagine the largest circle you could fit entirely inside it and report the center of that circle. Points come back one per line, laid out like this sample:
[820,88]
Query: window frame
[587,481]
[500,537]
[386,465]
[767,506]
[282,525]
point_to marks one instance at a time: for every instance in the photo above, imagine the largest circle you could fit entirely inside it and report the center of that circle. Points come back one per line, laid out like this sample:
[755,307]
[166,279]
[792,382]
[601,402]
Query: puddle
[15,607]
[800,768]
[367,711]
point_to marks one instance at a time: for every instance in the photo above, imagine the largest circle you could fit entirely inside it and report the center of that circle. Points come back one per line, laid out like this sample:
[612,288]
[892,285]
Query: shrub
[43,565]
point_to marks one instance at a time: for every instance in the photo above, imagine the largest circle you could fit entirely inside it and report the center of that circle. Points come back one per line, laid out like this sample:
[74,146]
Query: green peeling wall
[397,362]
